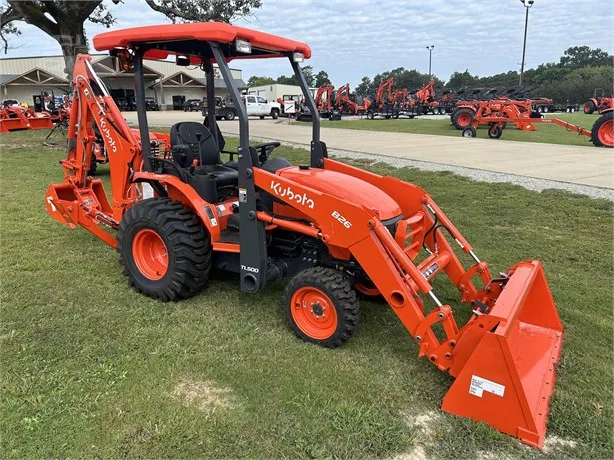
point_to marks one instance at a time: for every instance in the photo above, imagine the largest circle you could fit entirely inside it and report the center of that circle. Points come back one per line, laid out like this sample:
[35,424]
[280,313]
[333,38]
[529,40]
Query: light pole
[527,4]
[430,48]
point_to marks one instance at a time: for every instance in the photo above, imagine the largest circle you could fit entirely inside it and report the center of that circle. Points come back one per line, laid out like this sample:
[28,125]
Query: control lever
[200,147]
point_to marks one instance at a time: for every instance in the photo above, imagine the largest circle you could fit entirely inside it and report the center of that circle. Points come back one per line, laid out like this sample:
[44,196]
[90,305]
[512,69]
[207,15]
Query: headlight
[298,57]
[243,46]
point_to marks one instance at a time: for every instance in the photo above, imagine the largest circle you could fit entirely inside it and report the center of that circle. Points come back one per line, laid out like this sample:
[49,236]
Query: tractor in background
[598,103]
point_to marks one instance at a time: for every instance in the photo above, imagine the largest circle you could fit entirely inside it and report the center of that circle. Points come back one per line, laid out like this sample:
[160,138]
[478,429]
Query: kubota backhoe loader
[383,104]
[333,227]
[345,104]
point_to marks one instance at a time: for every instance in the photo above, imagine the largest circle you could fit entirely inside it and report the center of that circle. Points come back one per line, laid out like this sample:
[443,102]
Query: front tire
[322,307]
[230,115]
[602,133]
[469,132]
[165,249]
[589,107]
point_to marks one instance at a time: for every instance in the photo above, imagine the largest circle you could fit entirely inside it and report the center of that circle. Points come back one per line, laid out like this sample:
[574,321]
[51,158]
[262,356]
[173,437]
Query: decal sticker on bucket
[479,385]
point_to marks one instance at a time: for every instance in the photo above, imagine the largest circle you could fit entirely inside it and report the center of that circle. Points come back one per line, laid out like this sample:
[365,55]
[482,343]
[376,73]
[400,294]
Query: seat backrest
[220,136]
[186,132]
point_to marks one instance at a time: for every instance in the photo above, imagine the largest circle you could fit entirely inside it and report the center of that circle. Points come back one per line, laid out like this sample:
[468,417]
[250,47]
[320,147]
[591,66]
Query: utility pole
[430,48]
[527,4]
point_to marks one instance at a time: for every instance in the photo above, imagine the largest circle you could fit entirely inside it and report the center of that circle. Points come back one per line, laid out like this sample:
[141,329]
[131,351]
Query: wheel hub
[317,309]
[314,313]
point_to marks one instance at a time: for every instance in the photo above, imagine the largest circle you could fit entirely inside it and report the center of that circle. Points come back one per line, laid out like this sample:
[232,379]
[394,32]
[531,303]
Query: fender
[180,191]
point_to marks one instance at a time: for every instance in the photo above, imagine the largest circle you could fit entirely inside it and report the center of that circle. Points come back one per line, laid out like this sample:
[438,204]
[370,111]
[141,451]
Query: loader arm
[510,314]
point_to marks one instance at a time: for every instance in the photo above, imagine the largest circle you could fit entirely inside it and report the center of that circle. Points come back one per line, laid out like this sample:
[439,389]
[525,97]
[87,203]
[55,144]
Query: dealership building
[171,85]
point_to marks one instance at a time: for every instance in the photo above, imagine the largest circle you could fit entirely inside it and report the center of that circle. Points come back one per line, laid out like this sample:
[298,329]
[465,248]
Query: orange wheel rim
[606,133]
[464,119]
[150,254]
[314,313]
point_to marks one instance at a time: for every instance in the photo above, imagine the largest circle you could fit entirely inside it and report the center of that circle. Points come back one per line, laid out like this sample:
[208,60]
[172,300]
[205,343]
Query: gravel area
[530,183]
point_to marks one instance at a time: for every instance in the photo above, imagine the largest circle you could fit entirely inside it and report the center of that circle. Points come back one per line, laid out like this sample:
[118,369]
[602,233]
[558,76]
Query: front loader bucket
[508,378]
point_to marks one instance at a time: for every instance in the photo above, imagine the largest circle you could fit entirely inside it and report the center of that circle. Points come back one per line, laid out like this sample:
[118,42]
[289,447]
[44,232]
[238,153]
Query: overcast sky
[354,38]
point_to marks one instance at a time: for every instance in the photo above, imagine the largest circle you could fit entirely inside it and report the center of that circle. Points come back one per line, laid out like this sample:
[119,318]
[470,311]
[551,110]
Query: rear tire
[602,133]
[229,115]
[165,249]
[322,307]
[370,115]
[261,117]
[462,118]
[275,114]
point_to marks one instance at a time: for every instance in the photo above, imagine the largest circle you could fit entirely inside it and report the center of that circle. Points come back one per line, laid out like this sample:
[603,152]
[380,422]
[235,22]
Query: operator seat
[189,140]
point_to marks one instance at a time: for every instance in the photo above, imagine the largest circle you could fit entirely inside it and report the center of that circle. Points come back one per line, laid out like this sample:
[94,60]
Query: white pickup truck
[255,105]
[259,106]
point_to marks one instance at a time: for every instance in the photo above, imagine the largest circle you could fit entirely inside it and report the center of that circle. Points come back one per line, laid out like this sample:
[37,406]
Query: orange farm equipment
[601,134]
[176,210]
[383,103]
[466,112]
[598,103]
[325,101]
[345,104]
[16,118]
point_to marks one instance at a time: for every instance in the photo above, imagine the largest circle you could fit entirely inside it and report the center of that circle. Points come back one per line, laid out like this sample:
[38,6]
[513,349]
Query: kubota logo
[287,192]
[107,134]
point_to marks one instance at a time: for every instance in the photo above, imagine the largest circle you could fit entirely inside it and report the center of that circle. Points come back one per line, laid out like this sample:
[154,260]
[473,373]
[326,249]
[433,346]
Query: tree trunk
[73,41]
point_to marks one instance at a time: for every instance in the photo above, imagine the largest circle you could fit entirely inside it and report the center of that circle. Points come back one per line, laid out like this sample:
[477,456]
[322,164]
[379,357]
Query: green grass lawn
[551,134]
[90,368]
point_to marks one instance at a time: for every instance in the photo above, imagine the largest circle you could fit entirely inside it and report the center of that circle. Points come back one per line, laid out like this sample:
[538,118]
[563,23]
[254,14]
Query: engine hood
[346,188]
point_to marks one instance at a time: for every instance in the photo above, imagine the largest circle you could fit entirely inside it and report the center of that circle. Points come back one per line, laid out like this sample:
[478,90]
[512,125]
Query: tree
[292,80]
[204,10]
[64,20]
[259,81]
[321,79]
[581,56]
[460,79]
[363,89]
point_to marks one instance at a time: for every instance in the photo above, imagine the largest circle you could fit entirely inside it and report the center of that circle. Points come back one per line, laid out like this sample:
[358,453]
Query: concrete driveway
[588,165]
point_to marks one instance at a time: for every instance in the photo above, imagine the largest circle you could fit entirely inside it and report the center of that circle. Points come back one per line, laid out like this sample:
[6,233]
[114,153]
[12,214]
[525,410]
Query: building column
[162,101]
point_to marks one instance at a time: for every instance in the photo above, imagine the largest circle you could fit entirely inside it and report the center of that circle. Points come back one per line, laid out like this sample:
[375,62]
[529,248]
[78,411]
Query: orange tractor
[598,103]
[177,210]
